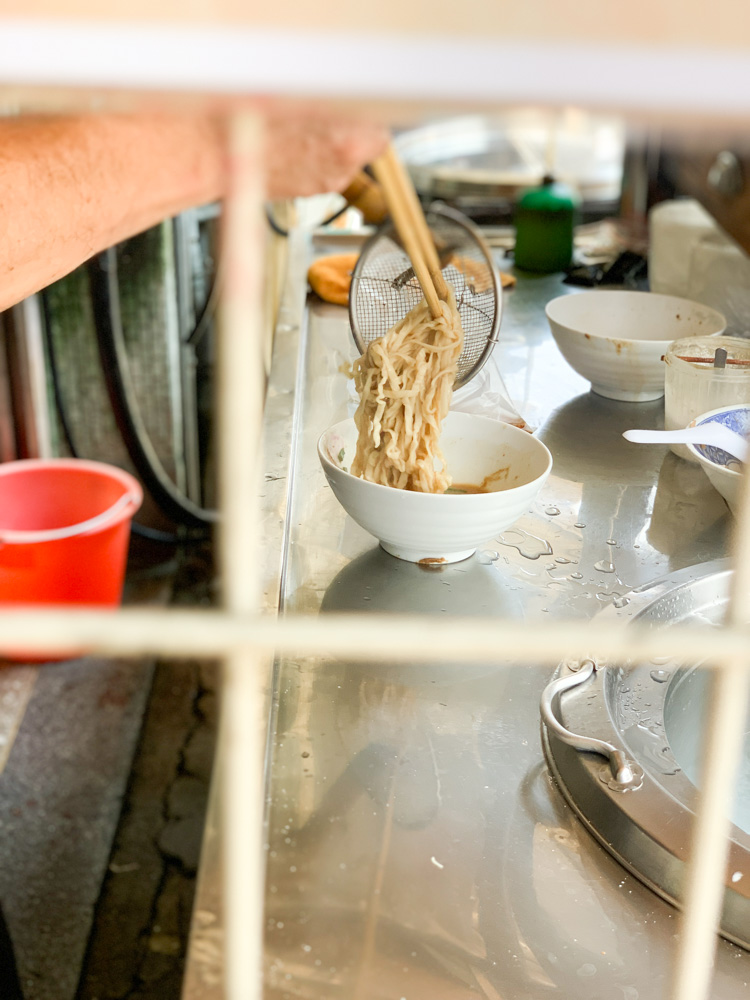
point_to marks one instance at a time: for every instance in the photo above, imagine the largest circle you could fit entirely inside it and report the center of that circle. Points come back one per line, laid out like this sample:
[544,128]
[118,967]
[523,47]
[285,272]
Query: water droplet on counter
[552,511]
[620,602]
[530,546]
[550,566]
[611,541]
[587,970]
[579,524]
[604,567]
[576,576]
[629,993]
[562,560]
[660,676]
[488,556]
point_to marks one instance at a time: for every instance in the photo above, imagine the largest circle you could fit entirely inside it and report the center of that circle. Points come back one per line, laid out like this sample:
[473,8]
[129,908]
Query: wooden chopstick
[426,242]
[408,229]
[402,220]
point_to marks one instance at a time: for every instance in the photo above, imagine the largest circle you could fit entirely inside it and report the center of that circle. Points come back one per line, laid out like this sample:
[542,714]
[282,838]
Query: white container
[440,527]
[720,277]
[617,339]
[674,229]
[692,388]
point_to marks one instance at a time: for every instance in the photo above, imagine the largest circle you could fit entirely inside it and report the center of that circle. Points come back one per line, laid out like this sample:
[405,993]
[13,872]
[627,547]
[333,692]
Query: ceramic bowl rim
[592,335]
[481,498]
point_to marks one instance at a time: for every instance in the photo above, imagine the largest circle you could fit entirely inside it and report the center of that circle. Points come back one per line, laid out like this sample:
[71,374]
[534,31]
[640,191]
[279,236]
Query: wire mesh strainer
[384,287]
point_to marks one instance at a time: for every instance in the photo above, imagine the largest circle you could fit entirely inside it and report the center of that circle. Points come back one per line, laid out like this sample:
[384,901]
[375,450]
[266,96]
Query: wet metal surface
[417,845]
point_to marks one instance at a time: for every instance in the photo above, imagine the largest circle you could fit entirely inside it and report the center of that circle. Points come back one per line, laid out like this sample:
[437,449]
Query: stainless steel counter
[417,847]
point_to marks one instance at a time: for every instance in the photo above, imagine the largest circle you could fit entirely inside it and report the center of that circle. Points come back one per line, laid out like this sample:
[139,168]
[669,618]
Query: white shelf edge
[237,60]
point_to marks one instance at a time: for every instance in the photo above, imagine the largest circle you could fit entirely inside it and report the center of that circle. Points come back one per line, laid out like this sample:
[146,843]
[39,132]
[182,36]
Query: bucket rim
[122,509]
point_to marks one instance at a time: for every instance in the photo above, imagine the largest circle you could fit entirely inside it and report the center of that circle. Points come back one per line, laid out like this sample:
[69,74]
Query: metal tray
[653,714]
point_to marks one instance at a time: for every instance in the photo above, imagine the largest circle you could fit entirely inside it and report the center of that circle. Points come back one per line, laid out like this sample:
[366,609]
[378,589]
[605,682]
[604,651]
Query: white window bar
[245,641]
[180,632]
[721,755]
[240,397]
[710,78]
[244,698]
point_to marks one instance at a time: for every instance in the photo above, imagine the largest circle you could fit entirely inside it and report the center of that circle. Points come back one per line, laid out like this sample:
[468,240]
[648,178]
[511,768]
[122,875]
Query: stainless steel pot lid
[651,717]
[494,156]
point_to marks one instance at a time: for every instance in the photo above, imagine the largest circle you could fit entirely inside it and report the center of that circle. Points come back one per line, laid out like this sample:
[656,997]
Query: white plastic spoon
[712,434]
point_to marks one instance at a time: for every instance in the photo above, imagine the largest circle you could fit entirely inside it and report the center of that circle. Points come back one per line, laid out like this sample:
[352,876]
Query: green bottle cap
[544,219]
[549,196]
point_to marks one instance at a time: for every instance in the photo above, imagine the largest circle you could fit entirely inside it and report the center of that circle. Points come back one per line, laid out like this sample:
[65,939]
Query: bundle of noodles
[405,380]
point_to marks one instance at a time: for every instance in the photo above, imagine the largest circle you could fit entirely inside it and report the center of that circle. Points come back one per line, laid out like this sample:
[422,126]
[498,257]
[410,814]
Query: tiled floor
[142,921]
[60,799]
[102,805]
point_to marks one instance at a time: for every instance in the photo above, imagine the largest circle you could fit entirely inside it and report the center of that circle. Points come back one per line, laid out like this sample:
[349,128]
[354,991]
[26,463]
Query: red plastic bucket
[64,531]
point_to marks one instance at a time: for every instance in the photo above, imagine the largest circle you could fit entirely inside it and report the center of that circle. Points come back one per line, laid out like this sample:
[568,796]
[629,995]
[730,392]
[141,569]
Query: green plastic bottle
[544,218]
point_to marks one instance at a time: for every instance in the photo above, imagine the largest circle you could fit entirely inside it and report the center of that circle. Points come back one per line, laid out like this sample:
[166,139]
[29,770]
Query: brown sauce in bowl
[488,484]
[465,488]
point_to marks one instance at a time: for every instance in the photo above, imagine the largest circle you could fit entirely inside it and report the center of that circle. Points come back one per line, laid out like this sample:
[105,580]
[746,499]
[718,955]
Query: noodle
[405,381]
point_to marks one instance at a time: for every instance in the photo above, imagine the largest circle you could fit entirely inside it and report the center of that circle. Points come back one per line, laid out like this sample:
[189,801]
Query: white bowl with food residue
[617,339]
[508,465]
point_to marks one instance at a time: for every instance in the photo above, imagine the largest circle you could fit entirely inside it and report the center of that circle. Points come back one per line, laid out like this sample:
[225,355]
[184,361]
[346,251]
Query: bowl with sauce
[497,470]
[617,339]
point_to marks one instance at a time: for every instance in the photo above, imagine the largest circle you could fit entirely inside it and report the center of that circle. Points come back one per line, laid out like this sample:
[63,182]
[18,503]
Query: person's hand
[314,151]
[71,186]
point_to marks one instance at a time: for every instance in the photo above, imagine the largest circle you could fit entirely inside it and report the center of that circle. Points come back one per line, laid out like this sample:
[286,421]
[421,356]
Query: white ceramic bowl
[617,339]
[438,528]
[723,471]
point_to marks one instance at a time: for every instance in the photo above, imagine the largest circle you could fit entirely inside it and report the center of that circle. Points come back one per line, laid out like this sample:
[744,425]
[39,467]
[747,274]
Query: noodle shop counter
[417,845]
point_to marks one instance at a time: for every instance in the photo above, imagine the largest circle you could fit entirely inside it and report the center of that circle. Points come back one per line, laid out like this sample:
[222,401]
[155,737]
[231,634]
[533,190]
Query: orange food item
[331,277]
[477,275]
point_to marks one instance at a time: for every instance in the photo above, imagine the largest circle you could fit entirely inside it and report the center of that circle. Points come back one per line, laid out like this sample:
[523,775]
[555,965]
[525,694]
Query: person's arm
[72,186]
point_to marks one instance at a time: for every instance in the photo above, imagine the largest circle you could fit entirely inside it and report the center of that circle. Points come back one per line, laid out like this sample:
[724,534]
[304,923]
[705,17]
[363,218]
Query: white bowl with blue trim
[724,471]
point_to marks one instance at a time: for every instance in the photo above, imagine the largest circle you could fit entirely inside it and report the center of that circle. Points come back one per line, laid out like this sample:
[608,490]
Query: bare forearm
[69,187]
[72,186]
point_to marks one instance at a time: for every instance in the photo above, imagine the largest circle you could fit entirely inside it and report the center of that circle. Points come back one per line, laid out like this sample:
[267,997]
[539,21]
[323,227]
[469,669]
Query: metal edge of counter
[204,961]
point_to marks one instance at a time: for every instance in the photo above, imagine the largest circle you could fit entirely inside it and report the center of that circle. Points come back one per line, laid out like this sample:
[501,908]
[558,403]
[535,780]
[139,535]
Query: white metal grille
[245,641]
